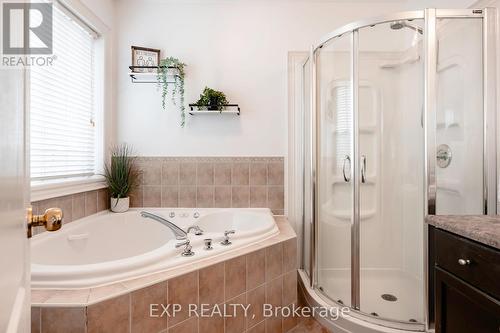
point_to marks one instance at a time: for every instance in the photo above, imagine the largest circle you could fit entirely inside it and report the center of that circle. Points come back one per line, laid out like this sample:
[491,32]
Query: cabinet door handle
[347,179]
[463,262]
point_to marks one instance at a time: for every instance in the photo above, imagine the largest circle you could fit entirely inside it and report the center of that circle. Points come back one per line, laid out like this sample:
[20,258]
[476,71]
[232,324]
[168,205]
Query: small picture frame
[143,56]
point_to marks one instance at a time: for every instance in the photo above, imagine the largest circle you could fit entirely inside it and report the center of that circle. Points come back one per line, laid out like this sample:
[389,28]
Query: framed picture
[143,56]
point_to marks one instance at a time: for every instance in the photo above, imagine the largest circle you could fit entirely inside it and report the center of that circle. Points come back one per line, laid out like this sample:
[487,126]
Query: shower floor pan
[374,284]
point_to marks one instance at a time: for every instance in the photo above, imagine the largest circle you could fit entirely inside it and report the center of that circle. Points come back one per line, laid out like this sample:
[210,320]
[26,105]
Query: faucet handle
[187,250]
[208,244]
[226,240]
[186,242]
[197,230]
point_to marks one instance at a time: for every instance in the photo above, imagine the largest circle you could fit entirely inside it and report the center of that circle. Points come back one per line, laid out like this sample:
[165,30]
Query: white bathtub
[109,247]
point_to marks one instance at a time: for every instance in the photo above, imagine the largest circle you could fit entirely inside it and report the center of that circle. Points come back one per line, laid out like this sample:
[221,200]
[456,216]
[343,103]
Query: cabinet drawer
[476,264]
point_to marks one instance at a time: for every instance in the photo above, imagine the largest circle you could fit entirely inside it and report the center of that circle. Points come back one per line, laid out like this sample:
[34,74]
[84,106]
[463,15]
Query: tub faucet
[226,240]
[197,230]
[187,252]
[178,232]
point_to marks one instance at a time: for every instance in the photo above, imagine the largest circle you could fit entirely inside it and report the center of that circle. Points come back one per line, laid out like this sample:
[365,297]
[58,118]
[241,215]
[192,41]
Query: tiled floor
[310,325]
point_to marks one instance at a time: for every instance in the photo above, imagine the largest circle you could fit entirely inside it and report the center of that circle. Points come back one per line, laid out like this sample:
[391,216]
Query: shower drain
[389,297]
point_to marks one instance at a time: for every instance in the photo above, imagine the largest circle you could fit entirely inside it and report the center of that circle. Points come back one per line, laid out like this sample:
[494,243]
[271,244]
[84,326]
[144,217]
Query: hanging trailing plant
[178,88]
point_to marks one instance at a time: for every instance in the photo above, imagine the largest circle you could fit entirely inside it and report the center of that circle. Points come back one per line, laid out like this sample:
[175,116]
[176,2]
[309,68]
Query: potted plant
[122,176]
[163,71]
[212,99]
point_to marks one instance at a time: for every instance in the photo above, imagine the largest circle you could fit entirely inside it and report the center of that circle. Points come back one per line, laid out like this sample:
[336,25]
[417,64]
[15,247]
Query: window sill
[41,190]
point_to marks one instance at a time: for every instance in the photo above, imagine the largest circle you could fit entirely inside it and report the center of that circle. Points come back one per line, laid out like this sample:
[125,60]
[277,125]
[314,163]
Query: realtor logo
[27,28]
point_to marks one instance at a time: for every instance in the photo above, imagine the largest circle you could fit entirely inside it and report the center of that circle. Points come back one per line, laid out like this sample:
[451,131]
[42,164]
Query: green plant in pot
[212,99]
[122,176]
[178,89]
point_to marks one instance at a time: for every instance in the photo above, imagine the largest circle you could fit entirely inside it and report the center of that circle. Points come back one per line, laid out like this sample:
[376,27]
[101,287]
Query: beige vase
[120,205]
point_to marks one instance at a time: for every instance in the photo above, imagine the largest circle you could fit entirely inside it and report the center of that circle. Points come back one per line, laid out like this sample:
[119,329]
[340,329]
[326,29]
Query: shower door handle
[347,179]
[363,168]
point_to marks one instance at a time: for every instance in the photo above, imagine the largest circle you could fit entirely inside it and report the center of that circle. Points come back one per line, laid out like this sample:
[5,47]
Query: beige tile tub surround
[74,206]
[238,182]
[262,273]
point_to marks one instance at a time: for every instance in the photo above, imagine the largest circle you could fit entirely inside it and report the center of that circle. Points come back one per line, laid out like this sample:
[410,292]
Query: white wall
[104,9]
[239,47]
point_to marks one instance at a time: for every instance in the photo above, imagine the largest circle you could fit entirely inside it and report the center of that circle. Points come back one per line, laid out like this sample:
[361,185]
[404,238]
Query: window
[343,122]
[64,134]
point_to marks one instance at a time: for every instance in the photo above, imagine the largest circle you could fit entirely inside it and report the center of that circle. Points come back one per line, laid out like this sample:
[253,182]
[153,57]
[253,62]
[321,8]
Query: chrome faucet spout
[178,232]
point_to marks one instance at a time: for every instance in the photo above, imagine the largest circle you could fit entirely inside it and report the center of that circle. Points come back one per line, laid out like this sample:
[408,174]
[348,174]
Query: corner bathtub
[110,247]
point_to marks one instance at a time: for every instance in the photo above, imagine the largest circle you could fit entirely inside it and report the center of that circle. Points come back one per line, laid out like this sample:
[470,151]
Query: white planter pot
[119,205]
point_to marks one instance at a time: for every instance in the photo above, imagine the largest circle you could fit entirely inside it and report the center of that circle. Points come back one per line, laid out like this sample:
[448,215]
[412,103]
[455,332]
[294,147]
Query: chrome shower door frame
[430,17]
[490,103]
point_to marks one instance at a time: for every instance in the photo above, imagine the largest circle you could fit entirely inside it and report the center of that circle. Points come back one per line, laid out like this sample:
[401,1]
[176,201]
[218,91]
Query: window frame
[46,189]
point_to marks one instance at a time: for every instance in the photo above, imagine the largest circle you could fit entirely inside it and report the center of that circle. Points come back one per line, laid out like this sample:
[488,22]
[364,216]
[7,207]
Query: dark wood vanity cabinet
[465,277]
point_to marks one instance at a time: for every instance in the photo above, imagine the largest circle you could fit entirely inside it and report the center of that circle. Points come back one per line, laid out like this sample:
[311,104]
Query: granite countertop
[481,228]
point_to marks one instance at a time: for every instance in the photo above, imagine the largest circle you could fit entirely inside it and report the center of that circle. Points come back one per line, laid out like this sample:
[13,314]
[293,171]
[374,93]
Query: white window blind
[343,123]
[63,132]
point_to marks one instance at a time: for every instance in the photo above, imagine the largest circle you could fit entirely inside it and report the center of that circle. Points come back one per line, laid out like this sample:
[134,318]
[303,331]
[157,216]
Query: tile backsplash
[211,182]
[74,206]
[206,182]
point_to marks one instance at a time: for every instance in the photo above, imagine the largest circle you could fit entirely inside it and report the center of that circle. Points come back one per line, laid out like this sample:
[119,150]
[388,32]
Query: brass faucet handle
[51,219]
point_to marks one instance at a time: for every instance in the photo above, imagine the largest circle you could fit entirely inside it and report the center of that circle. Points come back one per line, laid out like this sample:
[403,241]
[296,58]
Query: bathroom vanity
[464,273]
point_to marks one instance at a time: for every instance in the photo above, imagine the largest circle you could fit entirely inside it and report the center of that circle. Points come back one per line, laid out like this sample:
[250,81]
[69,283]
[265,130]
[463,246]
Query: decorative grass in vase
[122,176]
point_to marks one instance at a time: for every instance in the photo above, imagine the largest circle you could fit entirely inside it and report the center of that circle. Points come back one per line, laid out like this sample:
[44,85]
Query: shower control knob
[196,215]
[171,215]
[443,156]
[463,262]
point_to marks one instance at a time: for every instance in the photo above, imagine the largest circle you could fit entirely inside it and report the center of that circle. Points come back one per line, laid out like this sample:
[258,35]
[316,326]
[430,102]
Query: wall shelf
[149,74]
[203,109]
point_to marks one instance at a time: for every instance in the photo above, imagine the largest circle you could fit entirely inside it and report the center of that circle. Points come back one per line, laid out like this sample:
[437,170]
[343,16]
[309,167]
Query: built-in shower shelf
[362,130]
[364,215]
[149,74]
[346,215]
[405,61]
[449,185]
[441,125]
[368,181]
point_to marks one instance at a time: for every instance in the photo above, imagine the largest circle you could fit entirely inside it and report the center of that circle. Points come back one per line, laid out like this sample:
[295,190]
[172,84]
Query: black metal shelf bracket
[193,111]
[134,74]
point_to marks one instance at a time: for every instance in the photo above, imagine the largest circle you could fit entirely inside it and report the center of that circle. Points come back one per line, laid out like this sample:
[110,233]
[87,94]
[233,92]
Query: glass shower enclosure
[399,124]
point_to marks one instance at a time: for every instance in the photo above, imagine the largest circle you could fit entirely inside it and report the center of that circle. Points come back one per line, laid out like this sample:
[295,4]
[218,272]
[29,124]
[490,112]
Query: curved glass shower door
[402,104]
[391,163]
[334,187]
